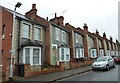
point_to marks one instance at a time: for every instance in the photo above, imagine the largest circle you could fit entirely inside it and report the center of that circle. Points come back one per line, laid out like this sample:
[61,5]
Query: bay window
[93,53]
[64,54]
[32,55]
[79,53]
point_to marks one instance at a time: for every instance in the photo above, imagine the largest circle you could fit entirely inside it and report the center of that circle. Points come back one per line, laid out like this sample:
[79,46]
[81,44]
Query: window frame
[57,30]
[63,36]
[79,53]
[38,27]
[66,54]
[3,32]
[24,23]
[95,53]
[31,55]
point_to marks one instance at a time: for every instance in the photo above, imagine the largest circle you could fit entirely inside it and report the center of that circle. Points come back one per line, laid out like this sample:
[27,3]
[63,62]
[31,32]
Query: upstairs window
[26,31]
[57,34]
[76,38]
[37,33]
[63,36]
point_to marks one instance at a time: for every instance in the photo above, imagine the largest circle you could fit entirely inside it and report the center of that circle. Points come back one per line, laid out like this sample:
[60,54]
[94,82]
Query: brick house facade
[40,42]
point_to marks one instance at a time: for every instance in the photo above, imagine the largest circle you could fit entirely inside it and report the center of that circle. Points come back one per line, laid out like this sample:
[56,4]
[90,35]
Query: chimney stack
[33,6]
[97,32]
[32,13]
[110,38]
[85,27]
[104,35]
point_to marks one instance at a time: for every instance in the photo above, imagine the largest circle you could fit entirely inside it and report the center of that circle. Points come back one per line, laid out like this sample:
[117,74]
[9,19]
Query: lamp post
[12,49]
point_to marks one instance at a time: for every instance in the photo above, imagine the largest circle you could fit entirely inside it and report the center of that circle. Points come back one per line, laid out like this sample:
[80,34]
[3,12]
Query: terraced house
[91,43]
[32,39]
[40,43]
[76,41]
[100,44]
[59,43]
[29,40]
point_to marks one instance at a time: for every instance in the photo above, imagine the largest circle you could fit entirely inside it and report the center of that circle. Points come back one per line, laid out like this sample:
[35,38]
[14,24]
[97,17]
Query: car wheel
[107,67]
[113,65]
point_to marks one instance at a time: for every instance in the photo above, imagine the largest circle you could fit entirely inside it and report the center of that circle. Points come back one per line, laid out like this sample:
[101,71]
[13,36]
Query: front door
[53,58]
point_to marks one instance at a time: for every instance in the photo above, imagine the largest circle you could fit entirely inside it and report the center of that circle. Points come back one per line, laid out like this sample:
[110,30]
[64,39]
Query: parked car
[103,62]
[116,59]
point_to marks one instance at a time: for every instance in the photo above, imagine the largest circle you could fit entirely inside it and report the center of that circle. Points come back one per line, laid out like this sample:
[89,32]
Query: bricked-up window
[57,34]
[3,31]
[37,33]
[26,30]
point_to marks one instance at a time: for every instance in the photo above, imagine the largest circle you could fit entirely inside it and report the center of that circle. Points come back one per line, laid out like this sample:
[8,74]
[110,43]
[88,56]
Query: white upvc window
[108,53]
[64,54]
[116,53]
[32,55]
[82,52]
[101,52]
[37,33]
[26,30]
[57,34]
[63,36]
[67,54]
[76,37]
[93,53]
[79,52]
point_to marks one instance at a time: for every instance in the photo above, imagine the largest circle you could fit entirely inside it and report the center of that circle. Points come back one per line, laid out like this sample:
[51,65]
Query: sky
[97,14]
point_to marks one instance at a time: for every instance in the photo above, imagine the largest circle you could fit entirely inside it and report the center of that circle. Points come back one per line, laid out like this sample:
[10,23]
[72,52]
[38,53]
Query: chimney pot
[55,15]
[33,6]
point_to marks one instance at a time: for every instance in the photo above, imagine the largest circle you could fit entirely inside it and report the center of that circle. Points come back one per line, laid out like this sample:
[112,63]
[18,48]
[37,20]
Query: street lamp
[12,49]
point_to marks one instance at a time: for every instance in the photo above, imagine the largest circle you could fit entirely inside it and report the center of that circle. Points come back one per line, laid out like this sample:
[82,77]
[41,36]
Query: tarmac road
[101,75]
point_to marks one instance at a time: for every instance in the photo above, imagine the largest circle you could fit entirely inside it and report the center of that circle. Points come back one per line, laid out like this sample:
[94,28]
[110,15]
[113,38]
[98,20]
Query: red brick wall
[81,63]
[47,45]
[7,19]
[29,73]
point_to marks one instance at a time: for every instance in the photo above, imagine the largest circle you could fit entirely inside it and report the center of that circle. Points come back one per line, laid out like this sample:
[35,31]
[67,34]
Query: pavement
[51,77]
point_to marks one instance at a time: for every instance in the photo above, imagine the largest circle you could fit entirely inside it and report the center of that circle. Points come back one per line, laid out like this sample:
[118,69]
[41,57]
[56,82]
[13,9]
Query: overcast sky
[98,14]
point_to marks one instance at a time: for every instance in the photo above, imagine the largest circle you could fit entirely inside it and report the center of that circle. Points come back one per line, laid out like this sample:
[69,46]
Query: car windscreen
[101,59]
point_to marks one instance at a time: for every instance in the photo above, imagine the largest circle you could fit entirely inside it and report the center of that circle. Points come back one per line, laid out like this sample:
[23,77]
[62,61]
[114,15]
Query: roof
[59,26]
[18,15]
[31,43]
[64,45]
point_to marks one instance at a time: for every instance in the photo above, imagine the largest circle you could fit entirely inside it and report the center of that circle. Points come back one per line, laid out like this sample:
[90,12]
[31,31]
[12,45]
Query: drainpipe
[18,39]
